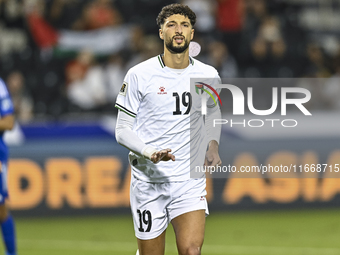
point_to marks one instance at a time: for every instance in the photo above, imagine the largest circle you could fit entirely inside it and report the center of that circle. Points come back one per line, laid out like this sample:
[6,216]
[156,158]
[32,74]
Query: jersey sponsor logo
[123,89]
[162,91]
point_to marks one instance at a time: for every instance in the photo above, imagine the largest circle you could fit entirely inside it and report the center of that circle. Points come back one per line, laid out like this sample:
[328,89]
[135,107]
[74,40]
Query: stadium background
[64,62]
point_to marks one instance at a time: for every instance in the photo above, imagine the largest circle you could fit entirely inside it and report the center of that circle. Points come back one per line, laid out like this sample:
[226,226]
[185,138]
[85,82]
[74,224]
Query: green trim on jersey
[161,61]
[123,110]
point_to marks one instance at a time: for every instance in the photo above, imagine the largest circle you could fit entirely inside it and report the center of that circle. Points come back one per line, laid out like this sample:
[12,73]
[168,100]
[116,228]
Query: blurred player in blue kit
[6,123]
[156,116]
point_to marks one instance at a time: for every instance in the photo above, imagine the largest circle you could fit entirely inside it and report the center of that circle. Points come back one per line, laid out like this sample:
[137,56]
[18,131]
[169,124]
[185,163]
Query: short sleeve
[129,96]
[6,105]
[216,80]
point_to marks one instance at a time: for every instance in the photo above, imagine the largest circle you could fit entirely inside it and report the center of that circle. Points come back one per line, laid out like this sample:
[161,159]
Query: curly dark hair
[172,9]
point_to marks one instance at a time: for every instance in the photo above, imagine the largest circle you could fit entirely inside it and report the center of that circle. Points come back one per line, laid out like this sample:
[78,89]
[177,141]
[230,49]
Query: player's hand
[212,158]
[163,155]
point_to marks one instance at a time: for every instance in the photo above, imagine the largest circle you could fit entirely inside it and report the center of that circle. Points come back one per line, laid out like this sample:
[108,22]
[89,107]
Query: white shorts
[154,205]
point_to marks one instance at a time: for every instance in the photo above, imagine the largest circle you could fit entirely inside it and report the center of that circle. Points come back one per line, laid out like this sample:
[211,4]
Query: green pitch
[248,233]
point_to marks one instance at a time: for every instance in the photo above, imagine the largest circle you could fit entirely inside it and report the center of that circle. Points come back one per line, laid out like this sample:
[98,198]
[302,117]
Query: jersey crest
[123,89]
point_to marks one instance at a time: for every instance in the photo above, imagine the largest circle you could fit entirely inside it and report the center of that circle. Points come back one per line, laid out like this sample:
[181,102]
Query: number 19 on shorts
[145,220]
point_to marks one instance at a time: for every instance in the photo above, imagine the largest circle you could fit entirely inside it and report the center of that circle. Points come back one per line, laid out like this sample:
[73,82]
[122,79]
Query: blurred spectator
[12,40]
[23,104]
[148,47]
[316,87]
[269,56]
[220,58]
[259,49]
[11,13]
[205,13]
[64,13]
[241,38]
[316,62]
[270,29]
[100,41]
[255,11]
[98,14]
[23,108]
[326,90]
[143,48]
[229,21]
[136,43]
[144,13]
[44,35]
[230,15]
[86,85]
[114,73]
[332,87]
[12,35]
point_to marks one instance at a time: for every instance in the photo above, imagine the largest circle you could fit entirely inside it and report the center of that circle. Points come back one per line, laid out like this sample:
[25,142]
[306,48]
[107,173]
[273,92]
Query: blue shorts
[3,182]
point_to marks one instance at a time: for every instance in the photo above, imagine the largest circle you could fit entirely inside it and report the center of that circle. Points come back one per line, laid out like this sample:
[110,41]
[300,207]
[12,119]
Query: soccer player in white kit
[163,127]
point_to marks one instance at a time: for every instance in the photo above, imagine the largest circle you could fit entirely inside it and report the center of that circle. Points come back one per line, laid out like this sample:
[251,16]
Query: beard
[176,49]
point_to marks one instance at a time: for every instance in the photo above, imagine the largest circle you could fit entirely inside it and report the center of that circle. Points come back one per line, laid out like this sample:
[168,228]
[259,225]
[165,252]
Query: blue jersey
[6,107]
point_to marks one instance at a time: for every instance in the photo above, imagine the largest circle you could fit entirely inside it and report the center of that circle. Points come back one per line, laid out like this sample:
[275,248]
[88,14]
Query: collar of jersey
[160,58]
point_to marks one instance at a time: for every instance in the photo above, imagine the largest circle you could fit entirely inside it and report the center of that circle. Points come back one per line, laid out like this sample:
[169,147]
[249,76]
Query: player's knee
[193,250]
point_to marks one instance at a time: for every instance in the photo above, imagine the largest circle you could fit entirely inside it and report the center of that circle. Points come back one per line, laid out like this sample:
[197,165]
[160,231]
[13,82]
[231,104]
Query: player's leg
[6,220]
[154,246]
[150,219]
[8,230]
[187,213]
[189,230]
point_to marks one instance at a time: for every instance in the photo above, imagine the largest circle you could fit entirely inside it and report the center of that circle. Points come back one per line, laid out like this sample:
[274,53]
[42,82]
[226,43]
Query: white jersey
[167,116]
